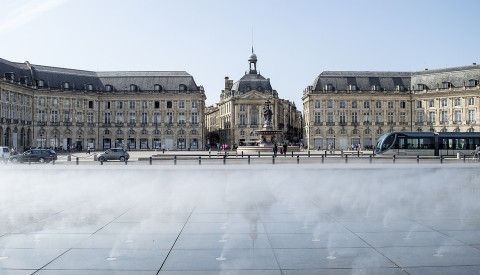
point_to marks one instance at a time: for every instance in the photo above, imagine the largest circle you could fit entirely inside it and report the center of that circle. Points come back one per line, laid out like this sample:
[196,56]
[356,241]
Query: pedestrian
[88,150]
[163,148]
[285,148]
[275,148]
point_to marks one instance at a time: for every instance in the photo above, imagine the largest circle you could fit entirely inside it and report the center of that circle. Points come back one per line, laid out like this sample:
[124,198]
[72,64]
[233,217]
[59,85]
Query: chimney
[226,82]
[474,64]
[426,69]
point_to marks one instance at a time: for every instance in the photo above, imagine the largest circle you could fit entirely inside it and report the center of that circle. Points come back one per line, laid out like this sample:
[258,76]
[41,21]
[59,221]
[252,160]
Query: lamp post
[80,143]
[103,142]
[55,143]
[41,141]
[129,142]
[334,142]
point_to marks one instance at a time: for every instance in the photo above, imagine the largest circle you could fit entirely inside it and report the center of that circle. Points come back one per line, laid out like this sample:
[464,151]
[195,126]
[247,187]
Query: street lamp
[41,141]
[55,143]
[129,143]
[333,142]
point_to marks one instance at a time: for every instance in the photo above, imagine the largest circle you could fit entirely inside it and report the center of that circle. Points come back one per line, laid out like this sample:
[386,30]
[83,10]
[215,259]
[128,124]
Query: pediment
[254,95]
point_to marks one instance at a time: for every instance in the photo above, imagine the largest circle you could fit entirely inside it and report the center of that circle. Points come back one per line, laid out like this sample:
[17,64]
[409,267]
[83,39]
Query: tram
[427,143]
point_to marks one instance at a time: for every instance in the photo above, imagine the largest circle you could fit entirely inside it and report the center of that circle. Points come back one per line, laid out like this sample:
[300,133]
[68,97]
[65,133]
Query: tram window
[388,142]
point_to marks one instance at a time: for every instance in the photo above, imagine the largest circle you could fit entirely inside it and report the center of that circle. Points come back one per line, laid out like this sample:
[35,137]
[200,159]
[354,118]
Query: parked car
[114,154]
[4,153]
[35,155]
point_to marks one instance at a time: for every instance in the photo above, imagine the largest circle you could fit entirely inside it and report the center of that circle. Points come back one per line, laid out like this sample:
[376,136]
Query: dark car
[35,155]
[114,154]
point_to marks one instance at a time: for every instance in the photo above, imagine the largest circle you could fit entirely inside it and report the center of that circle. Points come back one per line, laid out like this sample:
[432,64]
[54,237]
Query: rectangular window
[391,117]
[181,104]
[378,104]
[181,118]
[131,118]
[194,118]
[169,104]
[66,115]
[354,104]
[54,116]
[41,115]
[471,116]
[390,104]
[329,104]
[79,103]
[156,118]
[79,117]
[242,108]
[107,105]
[330,117]
[403,117]
[107,118]
[66,103]
[458,116]
[403,104]
[157,104]
[144,118]
[444,116]
[243,119]
[444,103]
[90,104]
[54,102]
[342,118]
[354,117]
[169,117]
[457,101]
[431,103]
[317,104]
[318,118]
[119,118]
[471,101]
[419,117]
[366,117]
[119,104]
[419,104]
[342,104]
[431,117]
[90,117]
[144,105]
[194,104]
[254,118]
[132,104]
[366,104]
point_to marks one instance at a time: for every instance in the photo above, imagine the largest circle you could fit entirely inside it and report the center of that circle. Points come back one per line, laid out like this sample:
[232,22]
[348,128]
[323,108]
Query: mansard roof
[364,80]
[456,76]
[53,77]
[250,82]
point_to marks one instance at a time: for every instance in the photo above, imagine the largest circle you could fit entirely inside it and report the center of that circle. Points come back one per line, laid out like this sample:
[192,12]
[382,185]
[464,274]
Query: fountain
[268,136]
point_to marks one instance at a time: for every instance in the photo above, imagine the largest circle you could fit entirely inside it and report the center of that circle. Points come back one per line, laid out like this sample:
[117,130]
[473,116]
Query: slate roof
[53,77]
[457,76]
[251,82]
[363,80]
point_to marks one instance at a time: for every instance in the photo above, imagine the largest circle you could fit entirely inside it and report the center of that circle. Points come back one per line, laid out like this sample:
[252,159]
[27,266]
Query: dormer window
[446,85]
[89,87]
[420,87]
[24,80]
[66,85]
[376,87]
[400,88]
[133,88]
[182,88]
[352,87]
[157,88]
[40,83]
[10,76]
[472,83]
[328,87]
[108,88]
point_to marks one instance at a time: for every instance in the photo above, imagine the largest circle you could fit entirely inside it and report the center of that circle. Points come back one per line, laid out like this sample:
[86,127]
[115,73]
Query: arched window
[66,85]
[131,132]
[169,132]
[318,132]
[355,132]
[119,132]
[144,132]
[242,132]
[107,132]
[181,132]
[108,88]
[182,87]
[156,132]
[379,131]
[158,88]
[331,132]
[133,88]
[367,132]
[194,132]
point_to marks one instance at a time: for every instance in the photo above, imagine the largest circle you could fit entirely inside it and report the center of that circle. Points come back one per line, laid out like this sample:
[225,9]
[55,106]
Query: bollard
[209,154]
[174,160]
[199,160]
[325,153]
[101,162]
[393,158]
[308,153]
[69,157]
[322,159]
[298,159]
[126,161]
[53,161]
[248,159]
[29,161]
[76,160]
[242,154]
[370,158]
[441,159]
[463,158]
[292,154]
[358,153]
[94,157]
[224,159]
[346,158]
[150,160]
[258,153]
[273,159]
[418,158]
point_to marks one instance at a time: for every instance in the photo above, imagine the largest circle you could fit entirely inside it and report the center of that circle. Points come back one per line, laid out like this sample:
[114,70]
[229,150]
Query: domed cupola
[252,60]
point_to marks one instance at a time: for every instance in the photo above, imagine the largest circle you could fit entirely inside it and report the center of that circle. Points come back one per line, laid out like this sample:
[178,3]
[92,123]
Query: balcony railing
[431,123]
[91,124]
[367,123]
[379,123]
[330,123]
[79,124]
[54,123]
[404,123]
[131,124]
[106,125]
[318,123]
[66,123]
[119,124]
[41,123]
[391,123]
[354,123]
[15,121]
[471,122]
[419,123]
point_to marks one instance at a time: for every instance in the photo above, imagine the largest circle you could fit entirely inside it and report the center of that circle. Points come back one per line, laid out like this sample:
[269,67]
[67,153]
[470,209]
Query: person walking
[275,149]
[285,149]
[163,148]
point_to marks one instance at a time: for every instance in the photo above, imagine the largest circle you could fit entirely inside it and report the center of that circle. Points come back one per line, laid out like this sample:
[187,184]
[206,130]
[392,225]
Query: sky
[294,40]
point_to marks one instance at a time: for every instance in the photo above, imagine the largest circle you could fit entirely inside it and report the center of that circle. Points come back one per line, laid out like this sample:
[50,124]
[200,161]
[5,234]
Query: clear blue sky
[294,40]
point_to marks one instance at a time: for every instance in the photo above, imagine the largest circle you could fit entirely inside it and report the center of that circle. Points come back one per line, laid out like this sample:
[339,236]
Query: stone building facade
[43,106]
[345,108]
[240,111]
